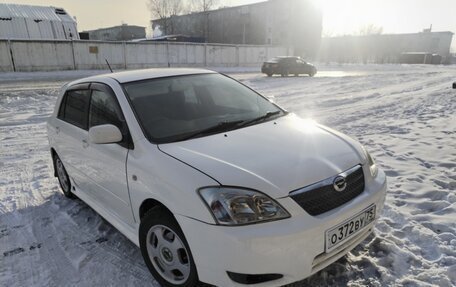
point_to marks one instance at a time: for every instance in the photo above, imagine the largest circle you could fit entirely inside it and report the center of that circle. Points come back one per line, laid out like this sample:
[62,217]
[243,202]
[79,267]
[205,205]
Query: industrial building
[36,22]
[123,32]
[292,23]
[418,48]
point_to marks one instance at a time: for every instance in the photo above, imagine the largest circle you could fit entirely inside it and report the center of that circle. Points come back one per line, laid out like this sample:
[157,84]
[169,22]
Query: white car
[211,180]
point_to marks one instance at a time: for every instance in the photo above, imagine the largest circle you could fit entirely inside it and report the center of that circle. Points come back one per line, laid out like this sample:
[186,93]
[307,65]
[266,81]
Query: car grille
[321,197]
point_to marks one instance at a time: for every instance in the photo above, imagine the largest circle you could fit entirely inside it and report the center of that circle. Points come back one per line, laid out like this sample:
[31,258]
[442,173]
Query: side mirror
[454,85]
[105,134]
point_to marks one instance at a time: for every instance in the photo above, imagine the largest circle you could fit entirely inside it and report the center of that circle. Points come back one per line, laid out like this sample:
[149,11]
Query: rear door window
[75,108]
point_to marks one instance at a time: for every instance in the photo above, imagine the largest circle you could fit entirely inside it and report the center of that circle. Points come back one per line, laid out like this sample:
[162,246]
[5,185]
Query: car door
[303,67]
[294,66]
[286,66]
[70,132]
[106,163]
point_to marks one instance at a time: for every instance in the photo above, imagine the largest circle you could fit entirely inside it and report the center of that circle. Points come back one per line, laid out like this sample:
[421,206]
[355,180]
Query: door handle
[85,143]
[57,130]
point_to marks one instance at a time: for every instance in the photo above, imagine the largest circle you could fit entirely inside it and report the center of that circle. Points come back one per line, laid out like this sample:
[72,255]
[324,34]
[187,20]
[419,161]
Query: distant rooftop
[8,11]
[117,26]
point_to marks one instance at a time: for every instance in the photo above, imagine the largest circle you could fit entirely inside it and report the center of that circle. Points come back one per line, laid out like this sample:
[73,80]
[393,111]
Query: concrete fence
[49,55]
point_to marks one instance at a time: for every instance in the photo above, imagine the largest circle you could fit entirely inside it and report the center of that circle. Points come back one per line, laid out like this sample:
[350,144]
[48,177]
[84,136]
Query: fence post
[186,54]
[72,52]
[124,46]
[167,53]
[11,57]
[205,54]
[237,56]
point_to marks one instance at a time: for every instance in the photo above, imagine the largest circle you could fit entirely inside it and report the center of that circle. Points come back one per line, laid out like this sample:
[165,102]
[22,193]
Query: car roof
[287,57]
[144,74]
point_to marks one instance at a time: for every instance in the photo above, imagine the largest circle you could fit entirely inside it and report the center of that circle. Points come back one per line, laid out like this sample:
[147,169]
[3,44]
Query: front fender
[152,174]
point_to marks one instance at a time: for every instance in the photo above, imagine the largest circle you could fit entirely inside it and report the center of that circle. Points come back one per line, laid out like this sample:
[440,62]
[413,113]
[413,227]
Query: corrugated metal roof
[33,12]
[36,22]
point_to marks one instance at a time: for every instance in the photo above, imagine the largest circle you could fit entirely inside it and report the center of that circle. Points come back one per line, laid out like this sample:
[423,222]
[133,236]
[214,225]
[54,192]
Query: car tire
[62,176]
[296,75]
[165,249]
[269,74]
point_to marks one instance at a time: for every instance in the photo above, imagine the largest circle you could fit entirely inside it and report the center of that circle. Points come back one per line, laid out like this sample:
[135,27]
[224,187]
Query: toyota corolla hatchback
[211,180]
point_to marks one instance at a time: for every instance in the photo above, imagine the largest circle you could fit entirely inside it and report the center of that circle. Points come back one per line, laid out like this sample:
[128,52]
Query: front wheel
[165,250]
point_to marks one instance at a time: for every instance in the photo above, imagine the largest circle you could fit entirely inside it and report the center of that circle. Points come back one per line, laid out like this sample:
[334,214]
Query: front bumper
[293,247]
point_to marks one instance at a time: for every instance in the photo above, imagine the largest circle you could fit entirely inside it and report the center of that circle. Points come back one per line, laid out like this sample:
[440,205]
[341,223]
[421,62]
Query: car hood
[275,157]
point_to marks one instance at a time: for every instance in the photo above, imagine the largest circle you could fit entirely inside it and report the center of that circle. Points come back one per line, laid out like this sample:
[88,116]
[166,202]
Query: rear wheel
[165,250]
[285,73]
[62,175]
[269,74]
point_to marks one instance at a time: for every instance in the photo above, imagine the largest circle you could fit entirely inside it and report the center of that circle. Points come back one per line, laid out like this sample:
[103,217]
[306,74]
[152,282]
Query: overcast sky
[339,16]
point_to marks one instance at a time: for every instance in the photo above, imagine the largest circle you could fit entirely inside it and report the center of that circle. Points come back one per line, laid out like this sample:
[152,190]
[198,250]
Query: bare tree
[164,10]
[370,29]
[203,5]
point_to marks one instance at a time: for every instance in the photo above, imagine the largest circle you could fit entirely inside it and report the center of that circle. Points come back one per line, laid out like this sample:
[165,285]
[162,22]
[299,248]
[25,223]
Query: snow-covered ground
[405,115]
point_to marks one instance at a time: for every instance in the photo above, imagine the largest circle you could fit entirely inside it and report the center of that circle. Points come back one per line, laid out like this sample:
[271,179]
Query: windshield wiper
[220,127]
[260,118]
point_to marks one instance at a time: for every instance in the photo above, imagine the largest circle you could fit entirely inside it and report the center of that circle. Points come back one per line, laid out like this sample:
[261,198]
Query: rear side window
[75,108]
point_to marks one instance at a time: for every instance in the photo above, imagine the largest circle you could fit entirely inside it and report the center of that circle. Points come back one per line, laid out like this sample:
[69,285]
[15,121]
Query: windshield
[177,108]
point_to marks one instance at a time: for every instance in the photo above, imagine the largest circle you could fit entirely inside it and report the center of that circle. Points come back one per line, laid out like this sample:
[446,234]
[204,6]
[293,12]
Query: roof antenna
[109,66]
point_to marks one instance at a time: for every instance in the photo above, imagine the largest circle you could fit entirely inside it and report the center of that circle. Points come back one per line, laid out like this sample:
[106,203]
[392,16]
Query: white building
[36,22]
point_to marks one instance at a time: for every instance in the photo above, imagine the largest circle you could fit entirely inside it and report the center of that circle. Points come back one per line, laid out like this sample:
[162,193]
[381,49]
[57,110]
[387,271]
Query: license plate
[349,228]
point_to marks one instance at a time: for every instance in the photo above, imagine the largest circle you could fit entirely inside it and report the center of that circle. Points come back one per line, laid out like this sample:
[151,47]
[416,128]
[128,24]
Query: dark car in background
[286,65]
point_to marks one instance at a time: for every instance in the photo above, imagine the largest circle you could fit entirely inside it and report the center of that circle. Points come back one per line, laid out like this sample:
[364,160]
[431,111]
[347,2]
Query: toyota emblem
[339,183]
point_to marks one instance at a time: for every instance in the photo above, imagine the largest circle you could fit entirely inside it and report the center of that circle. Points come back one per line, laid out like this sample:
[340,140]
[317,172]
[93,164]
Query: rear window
[274,60]
[74,108]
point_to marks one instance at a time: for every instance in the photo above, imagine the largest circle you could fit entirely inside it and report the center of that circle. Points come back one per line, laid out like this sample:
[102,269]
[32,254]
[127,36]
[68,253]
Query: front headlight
[236,206]
[370,161]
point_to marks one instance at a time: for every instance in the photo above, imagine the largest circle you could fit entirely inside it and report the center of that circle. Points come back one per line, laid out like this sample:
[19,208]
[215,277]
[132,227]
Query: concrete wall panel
[146,55]
[221,55]
[93,55]
[42,55]
[252,55]
[5,57]
[195,55]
